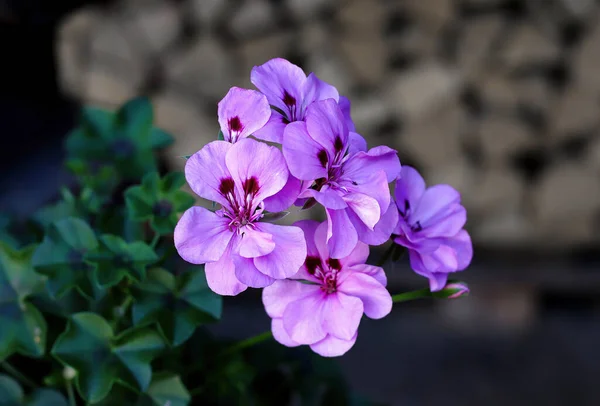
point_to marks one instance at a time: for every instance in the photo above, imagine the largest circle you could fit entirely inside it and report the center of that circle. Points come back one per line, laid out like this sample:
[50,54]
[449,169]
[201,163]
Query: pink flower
[241,113]
[323,304]
[238,249]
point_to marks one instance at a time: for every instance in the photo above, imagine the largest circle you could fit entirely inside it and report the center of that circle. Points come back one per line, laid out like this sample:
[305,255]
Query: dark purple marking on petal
[251,186]
[322,155]
[312,263]
[285,120]
[416,227]
[235,124]
[226,186]
[334,263]
[338,144]
[288,99]
[406,205]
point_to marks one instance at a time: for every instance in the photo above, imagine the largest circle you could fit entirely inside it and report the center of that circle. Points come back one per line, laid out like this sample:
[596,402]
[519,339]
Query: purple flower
[350,182]
[237,248]
[431,228]
[290,92]
[324,309]
[241,113]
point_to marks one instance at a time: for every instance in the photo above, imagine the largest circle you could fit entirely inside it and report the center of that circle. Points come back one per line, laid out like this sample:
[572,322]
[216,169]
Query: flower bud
[69,373]
[453,290]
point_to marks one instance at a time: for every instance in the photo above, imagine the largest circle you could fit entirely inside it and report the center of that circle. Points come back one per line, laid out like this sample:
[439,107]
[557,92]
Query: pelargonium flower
[290,92]
[430,226]
[323,304]
[350,182]
[241,113]
[238,249]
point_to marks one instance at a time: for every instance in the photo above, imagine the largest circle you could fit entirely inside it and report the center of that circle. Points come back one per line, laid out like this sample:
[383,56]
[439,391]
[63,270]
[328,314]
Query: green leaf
[166,389]
[178,305]
[160,139]
[117,259]
[22,327]
[89,346]
[159,200]
[11,393]
[46,397]
[63,257]
[96,122]
[134,118]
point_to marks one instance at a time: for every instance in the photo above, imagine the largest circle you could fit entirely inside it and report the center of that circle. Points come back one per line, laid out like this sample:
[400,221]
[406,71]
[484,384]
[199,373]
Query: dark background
[497,97]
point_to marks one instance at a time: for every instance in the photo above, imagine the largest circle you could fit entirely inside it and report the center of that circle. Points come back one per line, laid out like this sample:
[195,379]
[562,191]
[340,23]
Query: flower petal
[315,89]
[250,159]
[375,298]
[462,245]
[221,277]
[359,255]
[328,197]
[279,77]
[356,143]
[201,236]
[246,273]
[382,230]
[435,204]
[374,272]
[242,112]
[373,184]
[409,189]
[309,227]
[205,170]
[280,335]
[255,243]
[437,281]
[305,157]
[332,346]
[341,234]
[286,197]
[325,124]
[365,207]
[289,253]
[341,315]
[345,106]
[280,294]
[303,319]
[446,223]
[381,158]
[273,129]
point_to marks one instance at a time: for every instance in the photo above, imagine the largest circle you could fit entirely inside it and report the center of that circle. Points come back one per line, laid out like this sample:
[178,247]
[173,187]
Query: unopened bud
[453,290]
[69,373]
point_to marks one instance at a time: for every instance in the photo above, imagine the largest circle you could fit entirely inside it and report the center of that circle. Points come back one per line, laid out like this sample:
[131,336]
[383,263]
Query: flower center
[326,272]
[415,226]
[241,210]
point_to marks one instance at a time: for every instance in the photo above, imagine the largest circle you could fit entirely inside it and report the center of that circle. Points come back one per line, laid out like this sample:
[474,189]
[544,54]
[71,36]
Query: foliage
[97,308]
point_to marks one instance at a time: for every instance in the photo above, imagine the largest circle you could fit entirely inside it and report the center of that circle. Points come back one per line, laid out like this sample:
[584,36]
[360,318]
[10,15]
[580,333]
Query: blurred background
[499,98]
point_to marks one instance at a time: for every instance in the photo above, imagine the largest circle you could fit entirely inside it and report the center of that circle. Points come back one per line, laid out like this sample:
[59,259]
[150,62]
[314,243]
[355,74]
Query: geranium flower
[241,113]
[238,249]
[430,226]
[350,182]
[290,92]
[323,304]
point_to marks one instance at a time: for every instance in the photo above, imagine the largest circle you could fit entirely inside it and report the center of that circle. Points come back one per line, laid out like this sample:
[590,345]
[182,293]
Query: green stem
[412,295]
[71,393]
[248,342]
[386,255]
[155,240]
[14,372]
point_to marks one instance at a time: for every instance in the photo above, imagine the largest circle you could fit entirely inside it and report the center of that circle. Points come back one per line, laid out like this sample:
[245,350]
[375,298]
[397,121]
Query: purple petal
[283,292]
[345,106]
[341,234]
[381,158]
[221,277]
[374,272]
[321,235]
[437,281]
[303,319]
[409,188]
[286,197]
[435,203]
[325,124]
[273,130]
[309,227]
[205,170]
[332,346]
[315,89]
[302,153]
[249,159]
[255,243]
[242,112]
[289,253]
[373,184]
[376,300]
[462,245]
[246,273]
[201,236]
[445,223]
[359,255]
[365,207]
[276,79]
[280,335]
[356,143]
[341,315]
[382,230]
[328,197]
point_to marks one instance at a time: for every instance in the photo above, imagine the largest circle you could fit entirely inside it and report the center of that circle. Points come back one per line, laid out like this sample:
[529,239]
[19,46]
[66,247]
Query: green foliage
[93,294]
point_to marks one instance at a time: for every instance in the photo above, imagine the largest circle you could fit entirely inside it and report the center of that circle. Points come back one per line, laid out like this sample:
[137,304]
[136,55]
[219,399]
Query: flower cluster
[317,285]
